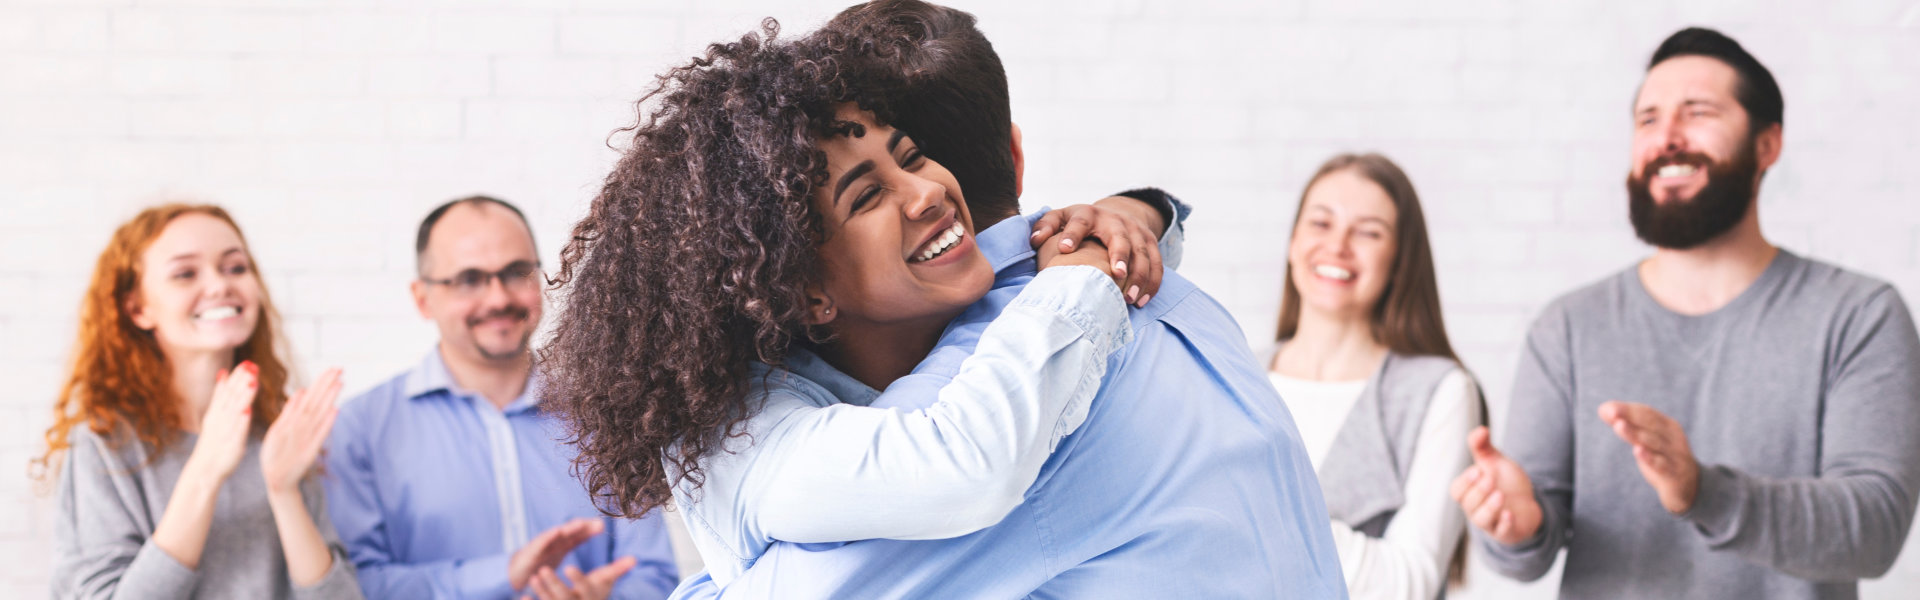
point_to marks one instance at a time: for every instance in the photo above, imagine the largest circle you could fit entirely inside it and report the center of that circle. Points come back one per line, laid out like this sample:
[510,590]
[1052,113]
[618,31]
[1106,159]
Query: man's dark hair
[952,96]
[433,218]
[1756,90]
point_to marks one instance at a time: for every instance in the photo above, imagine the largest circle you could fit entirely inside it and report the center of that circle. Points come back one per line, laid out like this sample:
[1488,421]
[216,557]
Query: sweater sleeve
[1410,560]
[103,546]
[1539,437]
[1849,522]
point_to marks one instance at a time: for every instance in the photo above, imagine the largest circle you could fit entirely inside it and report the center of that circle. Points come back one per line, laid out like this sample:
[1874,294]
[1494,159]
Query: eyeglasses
[516,277]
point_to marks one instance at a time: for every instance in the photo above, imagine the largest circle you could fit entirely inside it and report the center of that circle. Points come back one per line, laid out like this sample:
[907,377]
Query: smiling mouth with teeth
[1676,170]
[1333,272]
[215,314]
[940,245]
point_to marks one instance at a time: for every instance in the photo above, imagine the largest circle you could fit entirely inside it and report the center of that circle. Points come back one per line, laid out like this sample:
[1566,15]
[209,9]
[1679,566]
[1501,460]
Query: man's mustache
[518,313]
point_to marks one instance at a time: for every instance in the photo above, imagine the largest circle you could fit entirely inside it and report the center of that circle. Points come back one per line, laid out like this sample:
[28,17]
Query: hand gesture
[296,436]
[1132,243]
[228,422]
[1496,493]
[546,550]
[1660,448]
[597,585]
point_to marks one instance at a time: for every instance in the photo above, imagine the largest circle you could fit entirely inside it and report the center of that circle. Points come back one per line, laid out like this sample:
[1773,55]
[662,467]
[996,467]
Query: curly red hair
[119,377]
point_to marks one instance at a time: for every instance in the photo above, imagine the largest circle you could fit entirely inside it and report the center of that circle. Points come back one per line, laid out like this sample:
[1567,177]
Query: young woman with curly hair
[766,232]
[185,471]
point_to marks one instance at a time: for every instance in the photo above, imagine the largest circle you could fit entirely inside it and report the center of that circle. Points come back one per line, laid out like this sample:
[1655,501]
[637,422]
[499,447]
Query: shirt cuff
[483,577]
[1085,297]
[1716,505]
[157,573]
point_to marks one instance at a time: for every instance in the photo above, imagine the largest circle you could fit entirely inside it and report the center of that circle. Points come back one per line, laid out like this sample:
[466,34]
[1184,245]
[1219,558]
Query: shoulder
[1605,295]
[379,400]
[1846,289]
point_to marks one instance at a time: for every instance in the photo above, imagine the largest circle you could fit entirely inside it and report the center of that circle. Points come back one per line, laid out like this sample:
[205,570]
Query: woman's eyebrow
[847,178]
[894,140]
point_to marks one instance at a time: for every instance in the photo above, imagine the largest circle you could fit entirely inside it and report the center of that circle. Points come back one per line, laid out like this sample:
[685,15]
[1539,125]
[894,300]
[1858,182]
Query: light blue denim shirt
[432,489]
[811,468]
[1187,480]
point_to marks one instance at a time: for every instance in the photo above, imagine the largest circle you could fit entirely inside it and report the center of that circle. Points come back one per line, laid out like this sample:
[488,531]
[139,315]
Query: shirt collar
[1009,243]
[840,386]
[432,377]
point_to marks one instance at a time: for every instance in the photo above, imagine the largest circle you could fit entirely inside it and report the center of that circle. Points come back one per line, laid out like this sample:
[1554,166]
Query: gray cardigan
[111,498]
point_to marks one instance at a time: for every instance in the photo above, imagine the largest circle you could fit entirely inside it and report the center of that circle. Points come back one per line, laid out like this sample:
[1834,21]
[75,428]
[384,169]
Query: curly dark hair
[692,263]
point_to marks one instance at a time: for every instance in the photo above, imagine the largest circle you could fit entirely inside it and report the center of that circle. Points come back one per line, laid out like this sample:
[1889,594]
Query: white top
[1410,560]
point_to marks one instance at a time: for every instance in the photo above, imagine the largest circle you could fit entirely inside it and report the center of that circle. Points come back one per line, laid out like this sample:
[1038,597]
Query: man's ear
[1767,146]
[419,289]
[1019,162]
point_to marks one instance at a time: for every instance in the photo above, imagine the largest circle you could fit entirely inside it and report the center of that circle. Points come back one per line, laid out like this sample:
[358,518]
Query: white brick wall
[329,127]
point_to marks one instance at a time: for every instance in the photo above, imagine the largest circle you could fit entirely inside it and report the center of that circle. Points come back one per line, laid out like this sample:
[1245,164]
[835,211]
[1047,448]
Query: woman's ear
[135,313]
[819,307]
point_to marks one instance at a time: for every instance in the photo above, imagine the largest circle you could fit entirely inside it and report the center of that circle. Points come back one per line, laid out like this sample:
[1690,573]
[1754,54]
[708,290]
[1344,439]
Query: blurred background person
[1362,360]
[185,470]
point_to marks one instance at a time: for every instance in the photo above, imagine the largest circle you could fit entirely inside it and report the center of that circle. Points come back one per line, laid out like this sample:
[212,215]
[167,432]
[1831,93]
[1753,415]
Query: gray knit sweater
[1800,399]
[111,498]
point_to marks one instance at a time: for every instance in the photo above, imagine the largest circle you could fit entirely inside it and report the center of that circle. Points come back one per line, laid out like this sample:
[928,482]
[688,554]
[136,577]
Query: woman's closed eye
[910,160]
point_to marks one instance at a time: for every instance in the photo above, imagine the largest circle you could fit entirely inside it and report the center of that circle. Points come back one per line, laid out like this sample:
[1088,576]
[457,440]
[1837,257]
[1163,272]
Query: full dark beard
[1681,224]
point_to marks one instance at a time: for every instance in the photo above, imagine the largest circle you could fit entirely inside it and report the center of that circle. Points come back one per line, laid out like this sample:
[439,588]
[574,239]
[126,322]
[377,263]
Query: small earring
[829,311]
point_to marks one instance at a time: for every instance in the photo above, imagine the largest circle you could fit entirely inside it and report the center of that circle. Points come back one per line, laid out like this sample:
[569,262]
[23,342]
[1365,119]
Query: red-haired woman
[185,470]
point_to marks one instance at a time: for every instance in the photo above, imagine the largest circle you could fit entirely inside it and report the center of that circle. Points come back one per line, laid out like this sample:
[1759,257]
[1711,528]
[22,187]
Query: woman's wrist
[290,495]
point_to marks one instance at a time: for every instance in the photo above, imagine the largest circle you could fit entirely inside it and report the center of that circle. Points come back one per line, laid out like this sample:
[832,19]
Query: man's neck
[1330,348]
[876,354]
[1702,279]
[499,381]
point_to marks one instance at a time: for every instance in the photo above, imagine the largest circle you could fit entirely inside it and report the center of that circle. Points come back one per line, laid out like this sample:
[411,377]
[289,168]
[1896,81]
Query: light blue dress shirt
[1186,480]
[432,489]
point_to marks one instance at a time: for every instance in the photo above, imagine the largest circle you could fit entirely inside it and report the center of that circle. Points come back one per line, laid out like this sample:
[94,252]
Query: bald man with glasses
[449,481]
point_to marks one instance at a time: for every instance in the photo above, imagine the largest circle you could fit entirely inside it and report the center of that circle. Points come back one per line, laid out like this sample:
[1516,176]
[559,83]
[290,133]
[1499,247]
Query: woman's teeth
[940,245]
[1677,170]
[1333,272]
[215,314]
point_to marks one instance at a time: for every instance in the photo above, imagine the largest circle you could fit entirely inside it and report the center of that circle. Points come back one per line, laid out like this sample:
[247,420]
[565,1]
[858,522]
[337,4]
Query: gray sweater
[112,498]
[1800,399]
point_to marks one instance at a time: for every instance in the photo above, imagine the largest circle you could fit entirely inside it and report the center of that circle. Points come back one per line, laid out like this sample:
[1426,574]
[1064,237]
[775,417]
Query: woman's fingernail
[1120,265]
[1133,292]
[1066,244]
[1144,299]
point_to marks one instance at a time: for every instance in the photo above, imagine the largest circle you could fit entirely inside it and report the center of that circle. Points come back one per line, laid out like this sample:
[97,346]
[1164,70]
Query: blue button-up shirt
[432,488]
[1187,479]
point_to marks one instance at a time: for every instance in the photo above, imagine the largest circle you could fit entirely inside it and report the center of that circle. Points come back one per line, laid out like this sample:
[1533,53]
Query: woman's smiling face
[899,245]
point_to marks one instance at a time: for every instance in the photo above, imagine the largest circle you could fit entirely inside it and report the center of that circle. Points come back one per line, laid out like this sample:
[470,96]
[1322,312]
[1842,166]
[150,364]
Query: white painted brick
[76,31]
[302,77]
[197,118]
[547,77]
[327,119]
[31,117]
[493,34]
[619,35]
[173,76]
[33,75]
[424,119]
[431,77]
[380,34]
